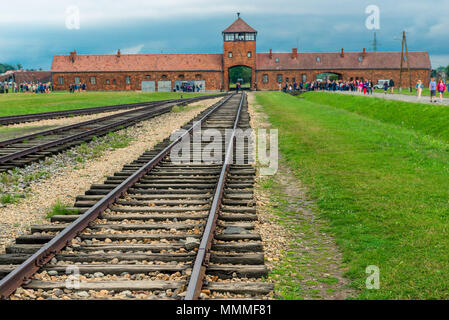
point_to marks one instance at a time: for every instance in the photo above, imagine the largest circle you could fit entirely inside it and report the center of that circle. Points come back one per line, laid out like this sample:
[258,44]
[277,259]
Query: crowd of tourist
[81,87]
[366,87]
[25,87]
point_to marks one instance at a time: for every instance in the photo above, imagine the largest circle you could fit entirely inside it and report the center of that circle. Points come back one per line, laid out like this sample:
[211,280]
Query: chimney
[118,53]
[271,53]
[342,53]
[73,56]
[294,53]
[364,52]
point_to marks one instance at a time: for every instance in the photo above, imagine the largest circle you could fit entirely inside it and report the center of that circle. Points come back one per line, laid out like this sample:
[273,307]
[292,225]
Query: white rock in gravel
[192,243]
[52,273]
[98,274]
[82,294]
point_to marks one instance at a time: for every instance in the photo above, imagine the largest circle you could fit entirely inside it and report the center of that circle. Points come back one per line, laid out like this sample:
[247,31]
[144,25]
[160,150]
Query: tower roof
[239,25]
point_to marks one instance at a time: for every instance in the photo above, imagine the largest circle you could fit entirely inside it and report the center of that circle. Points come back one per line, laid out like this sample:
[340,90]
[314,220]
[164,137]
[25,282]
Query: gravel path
[398,97]
[66,179]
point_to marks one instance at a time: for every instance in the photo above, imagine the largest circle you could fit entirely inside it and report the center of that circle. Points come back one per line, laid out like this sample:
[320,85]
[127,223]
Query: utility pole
[404,56]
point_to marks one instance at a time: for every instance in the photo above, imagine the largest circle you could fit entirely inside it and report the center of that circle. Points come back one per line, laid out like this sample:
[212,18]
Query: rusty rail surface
[101,129]
[202,258]
[76,112]
[26,270]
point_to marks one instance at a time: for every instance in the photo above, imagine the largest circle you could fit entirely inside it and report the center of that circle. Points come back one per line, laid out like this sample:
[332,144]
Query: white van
[380,84]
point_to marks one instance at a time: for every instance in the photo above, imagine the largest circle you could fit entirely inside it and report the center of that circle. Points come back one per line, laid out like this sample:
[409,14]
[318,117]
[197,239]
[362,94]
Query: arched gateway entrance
[240,74]
[329,76]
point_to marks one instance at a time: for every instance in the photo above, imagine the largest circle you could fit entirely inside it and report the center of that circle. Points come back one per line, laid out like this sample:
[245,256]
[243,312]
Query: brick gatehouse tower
[239,49]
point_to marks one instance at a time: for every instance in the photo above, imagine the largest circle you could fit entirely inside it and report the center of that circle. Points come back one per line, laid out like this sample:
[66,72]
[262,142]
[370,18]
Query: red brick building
[167,72]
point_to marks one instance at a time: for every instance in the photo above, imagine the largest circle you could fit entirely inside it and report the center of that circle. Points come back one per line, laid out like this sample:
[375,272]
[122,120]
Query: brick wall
[346,75]
[240,57]
[212,78]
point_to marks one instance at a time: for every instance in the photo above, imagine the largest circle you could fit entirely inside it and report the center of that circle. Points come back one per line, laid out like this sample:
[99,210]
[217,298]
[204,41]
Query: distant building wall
[346,75]
[117,81]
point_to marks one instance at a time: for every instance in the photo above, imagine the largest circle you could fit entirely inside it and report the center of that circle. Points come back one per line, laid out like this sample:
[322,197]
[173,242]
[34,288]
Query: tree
[241,72]
[6,67]
[19,66]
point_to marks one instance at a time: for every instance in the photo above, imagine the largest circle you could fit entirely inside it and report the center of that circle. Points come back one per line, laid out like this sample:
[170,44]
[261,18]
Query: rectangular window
[128,80]
[230,54]
[249,54]
[249,37]
[77,80]
[265,78]
[279,77]
[60,80]
[114,81]
[148,76]
[229,37]
[107,82]
[304,78]
[294,80]
[93,80]
[286,79]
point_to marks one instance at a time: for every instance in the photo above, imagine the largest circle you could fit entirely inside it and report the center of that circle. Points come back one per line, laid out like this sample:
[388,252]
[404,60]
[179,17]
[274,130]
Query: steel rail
[203,255]
[152,104]
[26,270]
[65,113]
[68,127]
[125,122]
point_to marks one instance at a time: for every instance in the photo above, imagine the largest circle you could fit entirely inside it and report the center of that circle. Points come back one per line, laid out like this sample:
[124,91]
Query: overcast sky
[33,31]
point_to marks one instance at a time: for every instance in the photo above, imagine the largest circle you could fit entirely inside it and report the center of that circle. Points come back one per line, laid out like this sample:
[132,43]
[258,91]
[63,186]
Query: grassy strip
[383,188]
[61,209]
[15,104]
[112,141]
[424,118]
[11,133]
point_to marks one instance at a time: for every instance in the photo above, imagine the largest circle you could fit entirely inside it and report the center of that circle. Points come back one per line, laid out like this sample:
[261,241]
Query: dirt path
[305,262]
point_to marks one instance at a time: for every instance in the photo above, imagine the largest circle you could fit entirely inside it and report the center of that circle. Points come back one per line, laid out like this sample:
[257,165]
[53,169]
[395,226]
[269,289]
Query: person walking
[391,84]
[386,87]
[419,88]
[433,90]
[441,87]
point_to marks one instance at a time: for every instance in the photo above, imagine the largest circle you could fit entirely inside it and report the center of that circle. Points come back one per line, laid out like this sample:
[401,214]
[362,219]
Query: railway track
[77,112]
[22,151]
[155,230]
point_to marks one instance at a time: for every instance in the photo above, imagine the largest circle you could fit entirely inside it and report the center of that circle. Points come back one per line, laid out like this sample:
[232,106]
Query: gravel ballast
[65,177]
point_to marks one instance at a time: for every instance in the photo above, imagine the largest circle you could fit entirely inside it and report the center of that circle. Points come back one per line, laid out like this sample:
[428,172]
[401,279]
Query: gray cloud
[35,31]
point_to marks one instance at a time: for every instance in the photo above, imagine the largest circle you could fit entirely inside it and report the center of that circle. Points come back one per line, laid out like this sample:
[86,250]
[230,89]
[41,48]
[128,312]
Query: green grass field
[15,104]
[381,178]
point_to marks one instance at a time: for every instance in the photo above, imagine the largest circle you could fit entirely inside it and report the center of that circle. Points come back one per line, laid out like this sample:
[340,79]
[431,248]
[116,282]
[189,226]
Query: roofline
[299,69]
[338,52]
[140,54]
[128,71]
